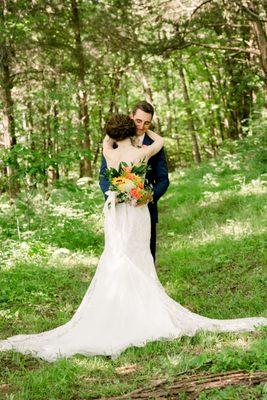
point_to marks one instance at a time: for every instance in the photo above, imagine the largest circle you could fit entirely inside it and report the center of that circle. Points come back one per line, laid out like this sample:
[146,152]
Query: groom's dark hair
[119,127]
[144,106]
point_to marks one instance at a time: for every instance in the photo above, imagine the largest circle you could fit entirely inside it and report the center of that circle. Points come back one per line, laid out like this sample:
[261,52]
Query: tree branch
[193,385]
[215,47]
[250,11]
[199,7]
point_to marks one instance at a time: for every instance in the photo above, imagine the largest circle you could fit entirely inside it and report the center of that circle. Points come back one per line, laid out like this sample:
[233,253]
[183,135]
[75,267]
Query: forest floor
[211,240]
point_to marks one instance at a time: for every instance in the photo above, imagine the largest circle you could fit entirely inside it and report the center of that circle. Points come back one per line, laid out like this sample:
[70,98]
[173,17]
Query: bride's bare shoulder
[110,153]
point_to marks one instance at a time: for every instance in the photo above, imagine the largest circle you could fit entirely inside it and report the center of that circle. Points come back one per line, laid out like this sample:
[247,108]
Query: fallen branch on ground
[194,384]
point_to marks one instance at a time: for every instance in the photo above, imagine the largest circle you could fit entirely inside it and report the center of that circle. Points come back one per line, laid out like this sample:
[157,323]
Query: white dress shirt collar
[141,138]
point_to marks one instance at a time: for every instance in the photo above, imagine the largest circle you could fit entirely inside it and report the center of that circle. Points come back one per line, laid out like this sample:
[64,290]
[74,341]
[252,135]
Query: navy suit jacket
[157,176]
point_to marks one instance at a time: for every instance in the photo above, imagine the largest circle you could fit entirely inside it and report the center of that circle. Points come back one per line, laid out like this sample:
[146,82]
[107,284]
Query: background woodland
[65,66]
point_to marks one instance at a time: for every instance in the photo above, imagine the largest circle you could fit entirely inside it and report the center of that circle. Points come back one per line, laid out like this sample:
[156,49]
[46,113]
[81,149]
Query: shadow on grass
[34,299]
[187,218]
[220,279]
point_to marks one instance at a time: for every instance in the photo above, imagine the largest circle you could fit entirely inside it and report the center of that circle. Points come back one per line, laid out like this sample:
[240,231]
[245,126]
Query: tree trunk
[101,135]
[261,37]
[190,119]
[169,121]
[149,96]
[85,164]
[215,97]
[55,140]
[31,139]
[114,87]
[259,28]
[8,118]
[126,92]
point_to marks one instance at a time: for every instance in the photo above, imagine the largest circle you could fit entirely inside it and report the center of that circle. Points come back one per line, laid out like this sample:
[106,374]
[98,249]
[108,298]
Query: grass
[211,259]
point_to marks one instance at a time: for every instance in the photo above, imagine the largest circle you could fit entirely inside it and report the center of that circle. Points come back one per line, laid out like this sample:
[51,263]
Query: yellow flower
[126,186]
[137,179]
[118,180]
[121,187]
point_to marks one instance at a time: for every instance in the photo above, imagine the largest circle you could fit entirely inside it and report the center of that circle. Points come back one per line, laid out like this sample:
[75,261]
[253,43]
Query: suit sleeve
[161,175]
[103,181]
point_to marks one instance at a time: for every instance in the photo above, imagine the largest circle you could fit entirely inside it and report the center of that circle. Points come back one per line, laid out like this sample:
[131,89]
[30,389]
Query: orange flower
[141,185]
[127,169]
[135,193]
[130,175]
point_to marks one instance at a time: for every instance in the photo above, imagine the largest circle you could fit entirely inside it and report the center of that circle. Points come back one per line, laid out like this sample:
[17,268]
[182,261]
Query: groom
[142,115]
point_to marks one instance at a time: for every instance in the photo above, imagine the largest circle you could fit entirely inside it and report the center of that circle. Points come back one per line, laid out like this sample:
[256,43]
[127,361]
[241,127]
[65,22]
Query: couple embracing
[125,304]
[142,115]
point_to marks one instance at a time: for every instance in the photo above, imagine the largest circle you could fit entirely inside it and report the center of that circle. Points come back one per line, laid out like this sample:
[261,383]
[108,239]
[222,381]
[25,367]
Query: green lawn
[211,240]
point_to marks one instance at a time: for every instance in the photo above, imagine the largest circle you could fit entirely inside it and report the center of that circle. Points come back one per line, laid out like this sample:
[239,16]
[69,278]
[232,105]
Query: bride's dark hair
[119,127]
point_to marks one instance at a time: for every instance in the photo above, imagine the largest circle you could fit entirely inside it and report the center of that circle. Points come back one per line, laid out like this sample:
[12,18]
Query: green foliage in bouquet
[130,183]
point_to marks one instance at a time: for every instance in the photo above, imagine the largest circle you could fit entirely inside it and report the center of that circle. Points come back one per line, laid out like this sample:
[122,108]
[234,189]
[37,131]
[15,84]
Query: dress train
[125,304]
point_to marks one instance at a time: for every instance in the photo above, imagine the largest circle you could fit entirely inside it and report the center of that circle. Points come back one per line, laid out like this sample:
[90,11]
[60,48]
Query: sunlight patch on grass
[43,254]
[210,179]
[256,186]
[232,228]
[10,315]
[14,251]
[93,363]
[214,197]
[68,210]
[232,161]
[64,258]
[5,205]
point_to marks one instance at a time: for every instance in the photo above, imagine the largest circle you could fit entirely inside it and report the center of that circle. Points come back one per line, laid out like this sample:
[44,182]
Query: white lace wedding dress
[125,304]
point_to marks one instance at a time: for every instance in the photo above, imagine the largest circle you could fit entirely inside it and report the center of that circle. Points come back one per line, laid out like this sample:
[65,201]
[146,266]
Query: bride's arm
[107,144]
[154,147]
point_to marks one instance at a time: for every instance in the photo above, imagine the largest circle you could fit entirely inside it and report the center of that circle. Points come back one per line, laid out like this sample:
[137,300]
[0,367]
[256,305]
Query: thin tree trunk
[126,91]
[85,164]
[190,119]
[55,141]
[259,28]
[101,135]
[149,96]
[8,120]
[215,98]
[43,143]
[114,85]
[49,148]
[169,104]
[261,37]
[31,139]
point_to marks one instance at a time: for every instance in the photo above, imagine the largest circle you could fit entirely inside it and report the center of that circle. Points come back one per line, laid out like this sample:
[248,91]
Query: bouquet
[130,184]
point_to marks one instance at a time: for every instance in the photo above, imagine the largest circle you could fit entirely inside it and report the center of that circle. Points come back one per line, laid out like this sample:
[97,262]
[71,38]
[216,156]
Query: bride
[125,304]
